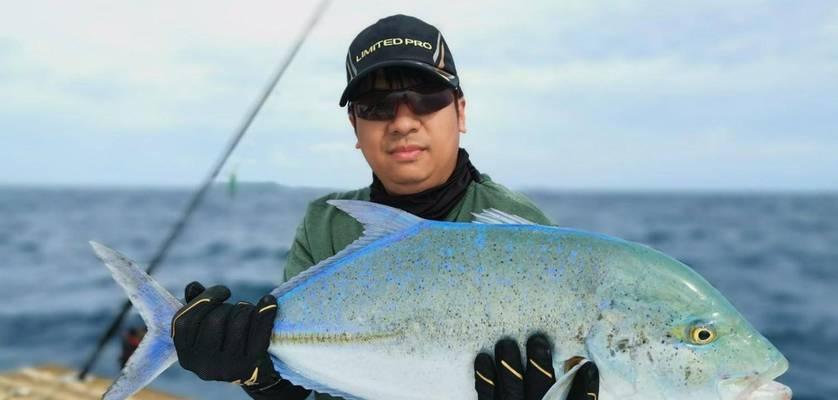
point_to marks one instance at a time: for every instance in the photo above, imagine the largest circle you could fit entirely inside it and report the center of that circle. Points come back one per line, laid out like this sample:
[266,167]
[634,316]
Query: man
[407,109]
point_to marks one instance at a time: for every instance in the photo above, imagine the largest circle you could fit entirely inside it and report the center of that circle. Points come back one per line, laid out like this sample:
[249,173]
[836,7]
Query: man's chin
[409,180]
[406,181]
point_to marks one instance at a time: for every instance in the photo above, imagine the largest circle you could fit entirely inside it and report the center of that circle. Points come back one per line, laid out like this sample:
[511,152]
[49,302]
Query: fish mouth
[756,385]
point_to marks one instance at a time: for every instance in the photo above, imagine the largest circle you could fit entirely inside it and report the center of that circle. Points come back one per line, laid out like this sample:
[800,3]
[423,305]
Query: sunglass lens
[375,108]
[381,106]
[426,103]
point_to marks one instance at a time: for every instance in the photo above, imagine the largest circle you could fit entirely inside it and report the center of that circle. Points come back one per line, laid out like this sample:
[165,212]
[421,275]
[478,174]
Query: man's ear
[461,114]
[354,128]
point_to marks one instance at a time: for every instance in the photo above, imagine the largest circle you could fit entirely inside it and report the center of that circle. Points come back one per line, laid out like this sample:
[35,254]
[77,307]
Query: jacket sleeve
[299,255]
[523,207]
[531,212]
[299,259]
[495,195]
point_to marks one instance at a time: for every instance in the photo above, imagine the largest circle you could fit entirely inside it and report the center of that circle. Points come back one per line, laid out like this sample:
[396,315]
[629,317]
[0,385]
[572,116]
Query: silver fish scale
[459,285]
[451,287]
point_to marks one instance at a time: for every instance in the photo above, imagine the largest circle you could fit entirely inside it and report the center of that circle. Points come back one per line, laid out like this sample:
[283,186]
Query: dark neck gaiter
[435,203]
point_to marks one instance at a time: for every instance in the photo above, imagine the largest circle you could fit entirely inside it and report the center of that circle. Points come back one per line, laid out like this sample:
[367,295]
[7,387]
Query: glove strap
[251,381]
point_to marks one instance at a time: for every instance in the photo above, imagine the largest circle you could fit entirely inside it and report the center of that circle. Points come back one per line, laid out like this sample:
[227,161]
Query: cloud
[571,93]
[662,75]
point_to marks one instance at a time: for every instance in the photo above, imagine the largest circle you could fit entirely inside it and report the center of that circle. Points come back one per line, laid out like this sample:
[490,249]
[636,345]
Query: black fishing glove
[504,378]
[220,341]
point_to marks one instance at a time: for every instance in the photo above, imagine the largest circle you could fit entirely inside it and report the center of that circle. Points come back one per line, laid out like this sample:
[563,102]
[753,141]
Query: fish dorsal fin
[378,221]
[495,216]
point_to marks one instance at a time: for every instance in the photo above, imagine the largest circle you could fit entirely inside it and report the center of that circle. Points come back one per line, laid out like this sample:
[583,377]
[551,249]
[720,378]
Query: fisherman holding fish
[407,109]
[390,294]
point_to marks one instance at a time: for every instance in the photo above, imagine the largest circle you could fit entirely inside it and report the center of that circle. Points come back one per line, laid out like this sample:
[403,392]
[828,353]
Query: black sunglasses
[380,105]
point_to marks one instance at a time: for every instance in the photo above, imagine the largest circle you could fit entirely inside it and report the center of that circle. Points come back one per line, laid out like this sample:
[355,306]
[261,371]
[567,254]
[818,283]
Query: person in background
[408,110]
[130,341]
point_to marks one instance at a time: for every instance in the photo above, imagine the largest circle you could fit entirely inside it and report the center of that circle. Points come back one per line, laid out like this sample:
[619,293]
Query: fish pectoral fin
[560,389]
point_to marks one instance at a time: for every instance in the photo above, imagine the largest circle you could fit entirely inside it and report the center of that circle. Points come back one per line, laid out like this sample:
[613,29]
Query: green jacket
[325,230]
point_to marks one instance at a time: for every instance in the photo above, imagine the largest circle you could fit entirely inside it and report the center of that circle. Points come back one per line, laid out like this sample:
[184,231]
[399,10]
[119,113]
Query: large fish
[402,312]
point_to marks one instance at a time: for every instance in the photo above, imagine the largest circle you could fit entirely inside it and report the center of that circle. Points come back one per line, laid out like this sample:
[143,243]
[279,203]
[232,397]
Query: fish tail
[157,306]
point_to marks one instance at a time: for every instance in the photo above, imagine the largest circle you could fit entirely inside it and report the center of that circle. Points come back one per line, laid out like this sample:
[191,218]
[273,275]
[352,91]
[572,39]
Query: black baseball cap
[399,41]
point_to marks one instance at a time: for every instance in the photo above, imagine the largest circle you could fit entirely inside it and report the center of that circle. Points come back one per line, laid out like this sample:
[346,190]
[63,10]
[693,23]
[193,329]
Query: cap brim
[441,75]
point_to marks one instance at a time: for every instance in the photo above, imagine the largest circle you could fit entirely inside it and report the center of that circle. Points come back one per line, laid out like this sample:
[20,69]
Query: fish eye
[702,334]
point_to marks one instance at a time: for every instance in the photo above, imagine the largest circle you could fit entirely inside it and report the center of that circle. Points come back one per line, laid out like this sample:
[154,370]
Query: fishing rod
[198,196]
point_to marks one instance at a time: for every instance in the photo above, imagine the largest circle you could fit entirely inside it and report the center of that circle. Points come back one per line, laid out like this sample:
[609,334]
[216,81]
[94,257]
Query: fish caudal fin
[157,306]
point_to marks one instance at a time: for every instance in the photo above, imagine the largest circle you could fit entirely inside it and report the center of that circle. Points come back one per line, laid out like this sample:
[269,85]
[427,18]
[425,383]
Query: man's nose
[404,121]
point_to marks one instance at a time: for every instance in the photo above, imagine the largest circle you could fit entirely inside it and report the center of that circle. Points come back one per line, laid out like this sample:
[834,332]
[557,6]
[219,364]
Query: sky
[587,94]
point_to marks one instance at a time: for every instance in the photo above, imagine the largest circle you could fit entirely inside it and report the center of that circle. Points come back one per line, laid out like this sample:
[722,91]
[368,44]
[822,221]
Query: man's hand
[504,378]
[220,341]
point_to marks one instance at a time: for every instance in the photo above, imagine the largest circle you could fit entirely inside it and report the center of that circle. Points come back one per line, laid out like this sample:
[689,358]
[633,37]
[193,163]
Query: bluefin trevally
[402,312]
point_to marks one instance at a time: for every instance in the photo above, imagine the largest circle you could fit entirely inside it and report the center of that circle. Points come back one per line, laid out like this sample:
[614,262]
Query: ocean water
[775,256]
